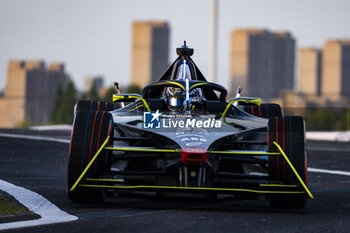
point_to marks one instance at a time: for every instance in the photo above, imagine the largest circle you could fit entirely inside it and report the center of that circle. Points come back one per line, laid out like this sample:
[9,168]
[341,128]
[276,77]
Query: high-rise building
[150,51]
[336,69]
[309,81]
[30,92]
[262,62]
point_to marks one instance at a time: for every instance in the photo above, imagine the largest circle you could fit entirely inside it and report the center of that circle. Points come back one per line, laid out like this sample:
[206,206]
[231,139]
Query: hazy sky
[93,37]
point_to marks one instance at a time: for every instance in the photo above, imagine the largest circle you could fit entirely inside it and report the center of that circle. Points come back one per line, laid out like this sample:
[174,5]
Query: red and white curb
[36,203]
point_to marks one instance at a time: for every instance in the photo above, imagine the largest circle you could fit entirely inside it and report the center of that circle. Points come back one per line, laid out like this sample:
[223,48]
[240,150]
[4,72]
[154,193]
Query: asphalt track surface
[40,166]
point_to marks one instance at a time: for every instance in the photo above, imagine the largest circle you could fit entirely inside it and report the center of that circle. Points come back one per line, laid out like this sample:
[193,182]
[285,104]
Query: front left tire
[90,130]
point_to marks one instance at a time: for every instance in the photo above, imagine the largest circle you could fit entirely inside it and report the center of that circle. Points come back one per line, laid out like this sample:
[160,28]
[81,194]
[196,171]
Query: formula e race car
[181,135]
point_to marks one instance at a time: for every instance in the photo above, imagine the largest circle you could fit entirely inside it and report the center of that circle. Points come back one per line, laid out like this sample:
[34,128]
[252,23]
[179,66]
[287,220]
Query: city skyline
[30,92]
[262,62]
[92,38]
[150,51]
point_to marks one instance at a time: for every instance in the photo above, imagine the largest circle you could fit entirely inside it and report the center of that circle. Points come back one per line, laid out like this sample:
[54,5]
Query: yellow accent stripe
[144,103]
[196,85]
[135,108]
[189,188]
[112,180]
[89,165]
[120,97]
[178,84]
[278,185]
[253,101]
[227,108]
[141,150]
[244,152]
[295,171]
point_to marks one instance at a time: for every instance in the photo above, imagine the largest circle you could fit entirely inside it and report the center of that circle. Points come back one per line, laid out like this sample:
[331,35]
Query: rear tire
[264,110]
[90,130]
[289,133]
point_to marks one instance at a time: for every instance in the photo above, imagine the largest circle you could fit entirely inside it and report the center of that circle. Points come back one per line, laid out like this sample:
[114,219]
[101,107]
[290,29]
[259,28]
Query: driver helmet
[176,98]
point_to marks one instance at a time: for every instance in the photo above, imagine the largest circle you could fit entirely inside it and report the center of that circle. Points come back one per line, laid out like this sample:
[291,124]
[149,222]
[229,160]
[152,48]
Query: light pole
[213,41]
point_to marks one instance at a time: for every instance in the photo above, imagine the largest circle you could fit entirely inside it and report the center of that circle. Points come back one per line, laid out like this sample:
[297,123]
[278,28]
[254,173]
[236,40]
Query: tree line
[66,98]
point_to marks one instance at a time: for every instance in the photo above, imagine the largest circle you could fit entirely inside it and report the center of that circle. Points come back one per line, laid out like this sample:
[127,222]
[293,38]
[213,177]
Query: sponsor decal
[191,123]
[153,120]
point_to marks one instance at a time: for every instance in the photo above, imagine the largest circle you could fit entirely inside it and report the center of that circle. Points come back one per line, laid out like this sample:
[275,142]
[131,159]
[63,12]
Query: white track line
[32,137]
[335,136]
[334,172]
[330,150]
[53,127]
[36,203]
[49,212]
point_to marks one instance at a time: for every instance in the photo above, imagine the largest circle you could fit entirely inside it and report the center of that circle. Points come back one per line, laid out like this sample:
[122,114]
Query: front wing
[262,188]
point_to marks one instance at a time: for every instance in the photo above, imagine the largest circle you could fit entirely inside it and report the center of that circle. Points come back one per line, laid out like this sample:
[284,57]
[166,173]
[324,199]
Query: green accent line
[189,188]
[89,165]
[295,171]
[142,150]
[112,180]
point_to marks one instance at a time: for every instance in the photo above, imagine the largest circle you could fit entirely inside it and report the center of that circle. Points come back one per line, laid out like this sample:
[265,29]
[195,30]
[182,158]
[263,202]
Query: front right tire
[289,133]
[266,110]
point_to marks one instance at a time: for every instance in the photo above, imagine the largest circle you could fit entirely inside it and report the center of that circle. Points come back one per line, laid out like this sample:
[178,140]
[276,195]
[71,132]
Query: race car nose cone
[194,156]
